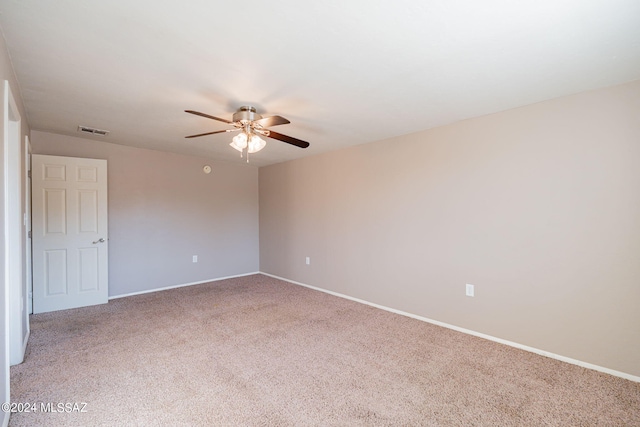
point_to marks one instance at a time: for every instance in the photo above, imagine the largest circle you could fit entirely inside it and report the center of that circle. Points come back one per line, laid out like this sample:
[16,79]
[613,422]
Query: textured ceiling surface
[343,72]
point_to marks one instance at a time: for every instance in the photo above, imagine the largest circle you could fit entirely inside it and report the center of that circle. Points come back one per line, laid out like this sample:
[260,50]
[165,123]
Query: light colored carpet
[258,351]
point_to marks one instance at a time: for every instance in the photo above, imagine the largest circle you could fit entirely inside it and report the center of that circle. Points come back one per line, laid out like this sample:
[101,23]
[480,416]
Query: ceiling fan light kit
[253,144]
[250,124]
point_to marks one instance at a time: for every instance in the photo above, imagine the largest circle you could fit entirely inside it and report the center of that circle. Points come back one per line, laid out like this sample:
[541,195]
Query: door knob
[100,240]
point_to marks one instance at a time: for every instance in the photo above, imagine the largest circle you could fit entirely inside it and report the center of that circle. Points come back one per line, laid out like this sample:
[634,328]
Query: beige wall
[163,209]
[538,207]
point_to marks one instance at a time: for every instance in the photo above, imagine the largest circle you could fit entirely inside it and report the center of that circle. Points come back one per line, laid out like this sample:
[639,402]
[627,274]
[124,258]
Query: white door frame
[4,286]
[27,226]
[18,315]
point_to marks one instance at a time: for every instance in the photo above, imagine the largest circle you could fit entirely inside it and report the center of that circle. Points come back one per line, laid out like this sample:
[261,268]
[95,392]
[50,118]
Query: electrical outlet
[195,258]
[470,290]
[308,261]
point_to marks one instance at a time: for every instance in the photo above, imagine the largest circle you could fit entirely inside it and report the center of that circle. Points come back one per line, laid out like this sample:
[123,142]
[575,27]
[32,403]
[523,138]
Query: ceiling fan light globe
[239,142]
[256,144]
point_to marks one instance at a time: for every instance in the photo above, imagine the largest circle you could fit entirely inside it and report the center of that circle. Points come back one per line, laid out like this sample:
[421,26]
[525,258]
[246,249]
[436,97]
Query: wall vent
[94,131]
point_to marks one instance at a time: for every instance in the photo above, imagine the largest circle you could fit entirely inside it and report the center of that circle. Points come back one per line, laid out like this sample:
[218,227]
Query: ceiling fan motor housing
[246,114]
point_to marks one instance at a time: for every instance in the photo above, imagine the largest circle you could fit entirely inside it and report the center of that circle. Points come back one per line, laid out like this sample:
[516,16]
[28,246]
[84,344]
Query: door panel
[70,236]
[55,212]
[88,220]
[55,272]
[54,172]
[88,269]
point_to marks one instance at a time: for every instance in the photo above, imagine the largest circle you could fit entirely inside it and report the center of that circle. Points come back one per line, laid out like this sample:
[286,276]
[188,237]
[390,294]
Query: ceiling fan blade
[288,139]
[197,113]
[208,133]
[267,122]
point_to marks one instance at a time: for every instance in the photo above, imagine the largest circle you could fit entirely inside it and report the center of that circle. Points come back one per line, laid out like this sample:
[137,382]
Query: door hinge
[29,173]
[29,233]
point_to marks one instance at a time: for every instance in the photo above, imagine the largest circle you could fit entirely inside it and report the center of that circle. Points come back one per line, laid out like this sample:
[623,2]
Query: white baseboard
[148,291]
[470,332]
[5,418]
[25,342]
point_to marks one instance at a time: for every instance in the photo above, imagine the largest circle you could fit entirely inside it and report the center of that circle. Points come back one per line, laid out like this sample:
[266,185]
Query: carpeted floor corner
[256,351]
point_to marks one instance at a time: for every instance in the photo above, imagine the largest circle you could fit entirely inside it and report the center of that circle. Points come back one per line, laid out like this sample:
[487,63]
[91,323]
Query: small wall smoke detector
[94,131]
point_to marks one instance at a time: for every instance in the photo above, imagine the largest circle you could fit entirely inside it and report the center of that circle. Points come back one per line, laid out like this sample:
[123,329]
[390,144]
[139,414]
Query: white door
[69,220]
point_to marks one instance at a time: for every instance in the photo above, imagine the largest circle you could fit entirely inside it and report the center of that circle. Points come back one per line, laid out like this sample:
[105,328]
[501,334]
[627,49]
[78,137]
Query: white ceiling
[344,72]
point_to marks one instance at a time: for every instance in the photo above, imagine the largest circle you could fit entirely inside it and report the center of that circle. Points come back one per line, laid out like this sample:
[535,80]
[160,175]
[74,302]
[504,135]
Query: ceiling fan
[250,124]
